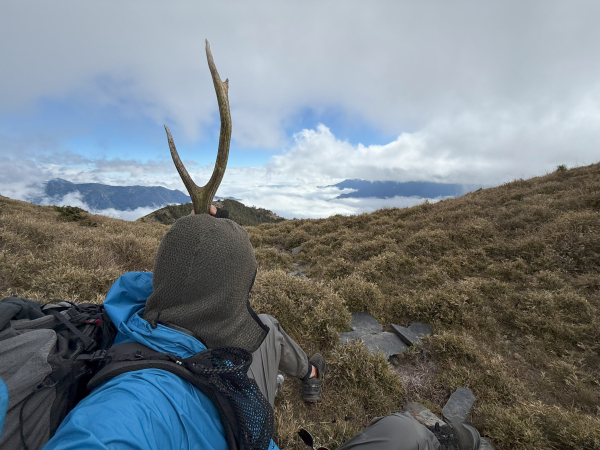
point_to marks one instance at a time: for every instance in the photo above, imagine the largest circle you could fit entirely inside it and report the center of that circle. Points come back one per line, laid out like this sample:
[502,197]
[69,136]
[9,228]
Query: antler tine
[192,188]
[222,90]
[202,197]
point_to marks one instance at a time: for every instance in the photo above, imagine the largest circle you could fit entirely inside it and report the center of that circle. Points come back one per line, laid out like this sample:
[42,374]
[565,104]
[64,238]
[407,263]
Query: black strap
[133,356]
[98,355]
[128,357]
[88,342]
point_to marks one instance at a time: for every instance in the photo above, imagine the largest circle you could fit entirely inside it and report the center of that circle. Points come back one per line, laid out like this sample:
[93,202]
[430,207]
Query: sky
[320,91]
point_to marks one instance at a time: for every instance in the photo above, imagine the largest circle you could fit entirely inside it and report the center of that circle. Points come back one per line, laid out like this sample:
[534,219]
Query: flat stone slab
[385,342]
[420,329]
[422,414]
[459,406]
[362,321]
[406,335]
[296,250]
[350,336]
[486,444]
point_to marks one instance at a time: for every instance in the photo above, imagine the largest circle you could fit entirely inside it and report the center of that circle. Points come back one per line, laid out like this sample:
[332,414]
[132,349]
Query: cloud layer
[74,199]
[294,184]
[397,65]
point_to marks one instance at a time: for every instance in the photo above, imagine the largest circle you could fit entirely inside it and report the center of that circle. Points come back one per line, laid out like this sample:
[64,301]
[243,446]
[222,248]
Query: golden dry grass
[508,277]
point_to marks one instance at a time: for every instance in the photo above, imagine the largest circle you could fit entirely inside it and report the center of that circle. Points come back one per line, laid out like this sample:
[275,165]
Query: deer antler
[203,196]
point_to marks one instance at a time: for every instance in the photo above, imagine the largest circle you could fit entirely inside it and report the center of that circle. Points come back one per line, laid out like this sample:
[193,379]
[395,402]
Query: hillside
[509,278]
[238,212]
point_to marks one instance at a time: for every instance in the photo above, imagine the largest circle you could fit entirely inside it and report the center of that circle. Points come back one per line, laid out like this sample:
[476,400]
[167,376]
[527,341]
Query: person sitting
[196,299]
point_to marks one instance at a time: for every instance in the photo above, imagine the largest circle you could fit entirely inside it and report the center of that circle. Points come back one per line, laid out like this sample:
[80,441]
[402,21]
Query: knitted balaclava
[203,273]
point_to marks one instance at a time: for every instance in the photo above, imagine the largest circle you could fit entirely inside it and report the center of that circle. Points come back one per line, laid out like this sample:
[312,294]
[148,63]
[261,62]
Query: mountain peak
[59,181]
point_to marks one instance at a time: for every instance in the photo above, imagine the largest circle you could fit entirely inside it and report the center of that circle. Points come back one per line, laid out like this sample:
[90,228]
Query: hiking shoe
[312,387]
[456,436]
[280,380]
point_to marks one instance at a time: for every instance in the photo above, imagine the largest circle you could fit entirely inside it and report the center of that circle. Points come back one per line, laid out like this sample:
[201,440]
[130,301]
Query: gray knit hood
[203,274]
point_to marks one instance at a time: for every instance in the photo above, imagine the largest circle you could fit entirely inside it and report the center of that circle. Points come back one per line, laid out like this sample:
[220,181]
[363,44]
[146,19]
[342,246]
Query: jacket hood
[125,303]
[203,273]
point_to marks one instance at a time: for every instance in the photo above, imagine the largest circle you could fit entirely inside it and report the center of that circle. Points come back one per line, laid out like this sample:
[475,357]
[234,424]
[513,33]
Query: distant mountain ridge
[172,204]
[101,196]
[388,189]
[238,212]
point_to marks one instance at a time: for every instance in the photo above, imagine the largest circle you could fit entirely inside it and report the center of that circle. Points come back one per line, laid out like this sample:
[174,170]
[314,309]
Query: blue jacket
[149,409]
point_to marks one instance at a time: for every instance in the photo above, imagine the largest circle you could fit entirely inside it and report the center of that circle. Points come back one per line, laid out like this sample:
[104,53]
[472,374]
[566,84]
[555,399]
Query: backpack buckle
[97,355]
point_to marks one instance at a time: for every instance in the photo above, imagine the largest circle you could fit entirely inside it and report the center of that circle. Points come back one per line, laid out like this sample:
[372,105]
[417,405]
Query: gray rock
[406,335]
[297,273]
[296,250]
[350,336]
[300,271]
[385,342]
[459,406]
[394,360]
[362,321]
[487,444]
[422,414]
[420,329]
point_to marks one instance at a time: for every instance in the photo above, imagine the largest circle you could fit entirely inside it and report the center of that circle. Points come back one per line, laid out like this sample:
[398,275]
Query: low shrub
[74,214]
[310,311]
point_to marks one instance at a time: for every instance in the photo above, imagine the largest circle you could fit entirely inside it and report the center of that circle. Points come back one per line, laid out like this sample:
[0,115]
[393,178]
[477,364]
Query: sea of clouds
[74,199]
[298,182]
[294,184]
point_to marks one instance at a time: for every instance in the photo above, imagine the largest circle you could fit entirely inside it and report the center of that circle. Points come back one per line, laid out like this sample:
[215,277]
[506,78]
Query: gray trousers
[399,431]
[277,352]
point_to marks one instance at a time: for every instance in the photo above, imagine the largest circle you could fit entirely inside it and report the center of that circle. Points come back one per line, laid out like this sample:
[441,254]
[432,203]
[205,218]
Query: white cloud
[74,199]
[130,214]
[485,148]
[71,199]
[292,196]
[398,65]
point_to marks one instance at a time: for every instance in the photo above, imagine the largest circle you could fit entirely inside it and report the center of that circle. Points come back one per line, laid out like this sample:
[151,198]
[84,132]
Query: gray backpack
[48,353]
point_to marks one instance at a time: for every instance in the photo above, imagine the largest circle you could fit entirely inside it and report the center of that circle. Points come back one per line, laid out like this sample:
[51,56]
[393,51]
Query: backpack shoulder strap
[133,356]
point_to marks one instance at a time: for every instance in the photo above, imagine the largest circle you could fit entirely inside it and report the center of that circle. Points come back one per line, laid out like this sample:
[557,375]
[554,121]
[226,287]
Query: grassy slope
[508,277]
